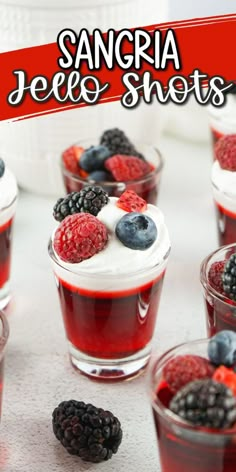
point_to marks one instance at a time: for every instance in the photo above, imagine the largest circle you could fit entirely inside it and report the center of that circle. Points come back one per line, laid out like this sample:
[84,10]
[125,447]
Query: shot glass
[6,229]
[184,447]
[146,187]
[225,208]
[220,310]
[4,333]
[222,120]
[109,320]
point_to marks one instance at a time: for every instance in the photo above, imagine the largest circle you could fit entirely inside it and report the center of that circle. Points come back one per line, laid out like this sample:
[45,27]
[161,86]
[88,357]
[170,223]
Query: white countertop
[38,375]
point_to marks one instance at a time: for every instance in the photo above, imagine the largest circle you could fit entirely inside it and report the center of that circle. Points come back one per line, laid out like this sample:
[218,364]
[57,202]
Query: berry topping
[118,143]
[229,277]
[136,231]
[79,237]
[86,431]
[215,276]
[226,376]
[205,403]
[94,158]
[130,201]
[71,159]
[88,200]
[184,369]
[125,168]
[225,152]
[222,348]
[100,176]
[2,167]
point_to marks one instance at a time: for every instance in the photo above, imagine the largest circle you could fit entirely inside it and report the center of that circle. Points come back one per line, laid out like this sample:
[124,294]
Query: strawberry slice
[71,157]
[130,201]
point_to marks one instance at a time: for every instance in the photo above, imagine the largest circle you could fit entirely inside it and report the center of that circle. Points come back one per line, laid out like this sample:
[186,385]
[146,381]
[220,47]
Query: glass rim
[5,331]
[9,204]
[203,275]
[163,411]
[112,184]
[128,275]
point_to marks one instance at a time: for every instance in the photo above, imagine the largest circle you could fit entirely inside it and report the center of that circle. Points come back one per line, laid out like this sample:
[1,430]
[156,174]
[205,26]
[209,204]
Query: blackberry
[229,277]
[118,143]
[205,403]
[90,199]
[2,167]
[86,431]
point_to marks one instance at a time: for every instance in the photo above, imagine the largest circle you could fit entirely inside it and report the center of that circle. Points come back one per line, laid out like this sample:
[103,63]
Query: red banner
[205,44]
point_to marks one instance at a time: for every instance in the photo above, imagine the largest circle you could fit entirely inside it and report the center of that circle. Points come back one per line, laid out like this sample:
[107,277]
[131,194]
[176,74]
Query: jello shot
[193,398]
[4,333]
[114,163]
[224,188]
[223,119]
[218,279]
[109,258]
[8,200]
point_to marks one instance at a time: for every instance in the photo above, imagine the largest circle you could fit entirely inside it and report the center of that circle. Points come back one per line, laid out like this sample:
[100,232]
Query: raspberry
[125,168]
[215,276]
[227,377]
[130,201]
[79,237]
[225,152]
[184,369]
[71,158]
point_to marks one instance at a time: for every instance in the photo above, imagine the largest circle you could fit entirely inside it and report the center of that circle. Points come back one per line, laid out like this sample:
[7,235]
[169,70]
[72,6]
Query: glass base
[5,295]
[110,369]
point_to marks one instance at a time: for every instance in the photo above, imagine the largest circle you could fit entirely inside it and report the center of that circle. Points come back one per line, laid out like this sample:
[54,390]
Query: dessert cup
[223,120]
[184,447]
[146,187]
[4,333]
[109,319]
[225,207]
[220,310]
[6,226]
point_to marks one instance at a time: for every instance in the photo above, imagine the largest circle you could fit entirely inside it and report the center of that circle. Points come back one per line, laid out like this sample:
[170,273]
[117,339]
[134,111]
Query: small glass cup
[182,446]
[4,333]
[220,310]
[109,319]
[225,206]
[146,187]
[6,227]
[222,120]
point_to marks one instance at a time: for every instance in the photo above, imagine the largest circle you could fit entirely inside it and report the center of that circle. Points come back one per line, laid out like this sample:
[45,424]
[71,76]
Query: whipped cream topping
[101,271]
[224,118]
[8,193]
[224,187]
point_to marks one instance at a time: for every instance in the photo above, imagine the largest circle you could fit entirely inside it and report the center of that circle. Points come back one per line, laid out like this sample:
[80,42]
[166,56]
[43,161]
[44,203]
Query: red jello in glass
[220,310]
[146,187]
[109,301]
[184,447]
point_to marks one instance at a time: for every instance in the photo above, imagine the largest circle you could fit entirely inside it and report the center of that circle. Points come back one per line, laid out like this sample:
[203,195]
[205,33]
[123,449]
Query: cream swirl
[224,187]
[224,118]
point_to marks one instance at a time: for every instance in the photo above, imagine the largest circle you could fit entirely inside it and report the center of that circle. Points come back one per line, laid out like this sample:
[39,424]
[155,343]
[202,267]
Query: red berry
[184,369]
[225,152]
[215,276]
[71,157]
[125,168]
[130,201]
[79,237]
[226,376]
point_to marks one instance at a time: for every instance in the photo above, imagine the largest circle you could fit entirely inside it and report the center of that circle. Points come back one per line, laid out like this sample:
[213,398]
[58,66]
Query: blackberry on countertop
[2,167]
[91,199]
[205,403]
[118,143]
[229,277]
[86,431]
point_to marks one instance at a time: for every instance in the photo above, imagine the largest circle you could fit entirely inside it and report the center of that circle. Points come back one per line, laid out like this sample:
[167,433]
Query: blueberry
[99,176]
[222,348]
[136,231]
[93,158]
[2,167]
